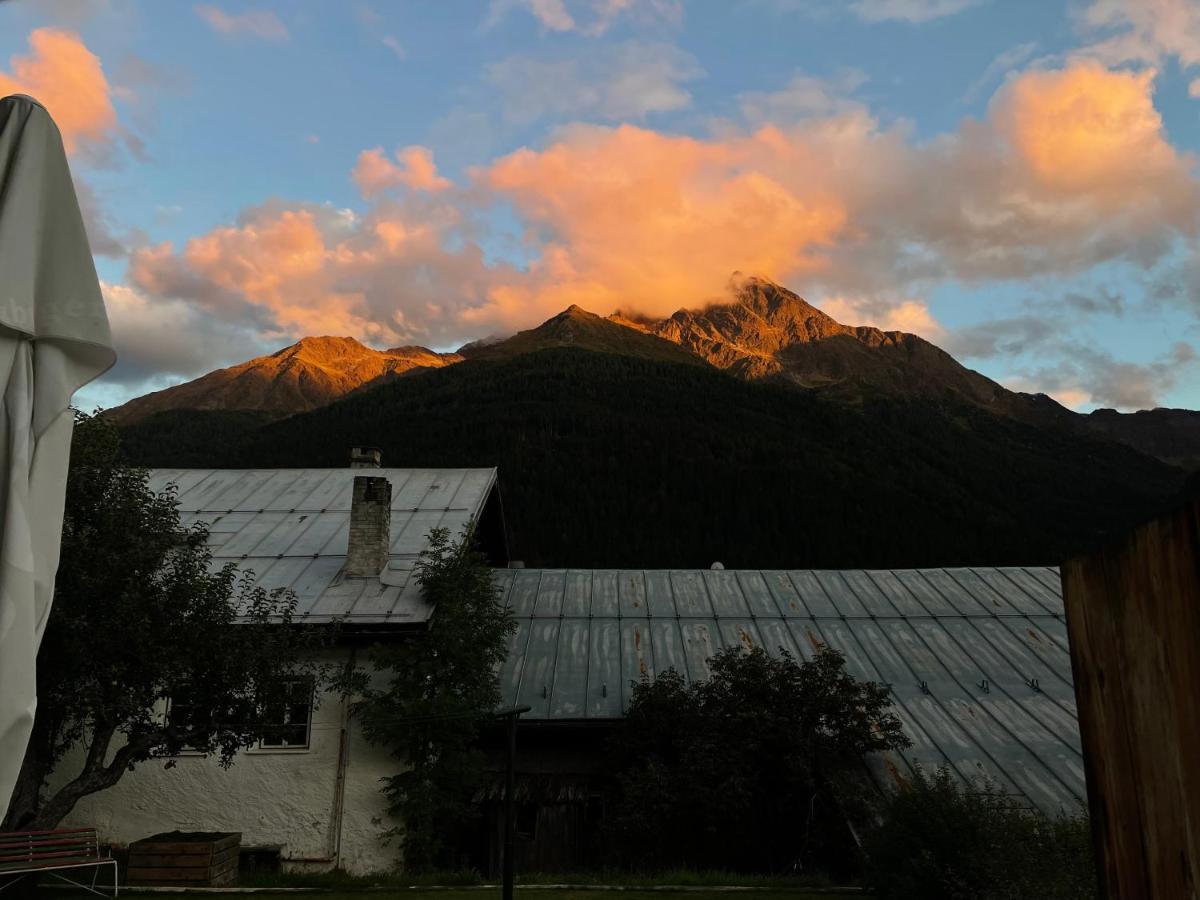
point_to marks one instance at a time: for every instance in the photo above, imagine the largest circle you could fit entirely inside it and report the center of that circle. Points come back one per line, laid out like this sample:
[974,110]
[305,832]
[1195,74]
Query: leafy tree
[737,772]
[940,841]
[138,617]
[431,697]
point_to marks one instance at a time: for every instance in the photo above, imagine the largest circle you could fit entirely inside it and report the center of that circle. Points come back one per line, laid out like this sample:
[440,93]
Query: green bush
[942,842]
[738,772]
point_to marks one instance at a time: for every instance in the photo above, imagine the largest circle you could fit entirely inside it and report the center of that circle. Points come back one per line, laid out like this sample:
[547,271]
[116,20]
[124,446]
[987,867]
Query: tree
[738,772]
[941,841]
[139,617]
[433,695]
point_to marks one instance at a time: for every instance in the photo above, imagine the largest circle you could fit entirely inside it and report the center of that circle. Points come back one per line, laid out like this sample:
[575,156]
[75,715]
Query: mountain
[312,372]
[768,332]
[612,460]
[1172,435]
[575,327]
[765,333]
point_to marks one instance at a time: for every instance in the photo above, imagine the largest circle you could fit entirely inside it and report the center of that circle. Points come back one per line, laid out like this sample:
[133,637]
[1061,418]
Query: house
[345,541]
[977,661]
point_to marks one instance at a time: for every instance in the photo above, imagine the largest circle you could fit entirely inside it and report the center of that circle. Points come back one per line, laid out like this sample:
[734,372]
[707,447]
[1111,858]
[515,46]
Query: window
[181,715]
[286,724]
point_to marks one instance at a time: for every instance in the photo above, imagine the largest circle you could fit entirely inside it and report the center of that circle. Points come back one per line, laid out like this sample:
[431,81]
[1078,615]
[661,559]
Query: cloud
[164,339]
[1088,375]
[886,314]
[1069,169]
[631,218]
[1102,301]
[1089,130]
[593,18]
[1081,373]
[1004,337]
[101,231]
[1146,31]
[626,81]
[912,11]
[375,173]
[69,81]
[805,97]
[1005,62]
[257,23]
[289,270]
[76,13]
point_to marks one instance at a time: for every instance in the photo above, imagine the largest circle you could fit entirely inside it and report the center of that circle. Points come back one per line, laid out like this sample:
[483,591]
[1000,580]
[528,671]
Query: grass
[528,893]
[336,881]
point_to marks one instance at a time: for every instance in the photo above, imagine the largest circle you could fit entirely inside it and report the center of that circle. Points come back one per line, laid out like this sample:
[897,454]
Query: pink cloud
[375,173]
[69,81]
[259,23]
[1070,168]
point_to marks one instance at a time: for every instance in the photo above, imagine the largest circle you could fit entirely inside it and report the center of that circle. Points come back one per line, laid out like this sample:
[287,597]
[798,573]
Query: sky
[1015,180]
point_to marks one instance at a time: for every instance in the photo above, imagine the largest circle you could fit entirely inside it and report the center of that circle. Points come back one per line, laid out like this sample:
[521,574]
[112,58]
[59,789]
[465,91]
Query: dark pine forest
[613,461]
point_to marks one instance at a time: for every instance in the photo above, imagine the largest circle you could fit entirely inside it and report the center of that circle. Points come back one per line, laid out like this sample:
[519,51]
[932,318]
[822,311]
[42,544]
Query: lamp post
[511,713]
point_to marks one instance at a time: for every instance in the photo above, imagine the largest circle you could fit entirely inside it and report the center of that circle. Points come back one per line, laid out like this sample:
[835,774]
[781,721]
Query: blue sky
[1013,180]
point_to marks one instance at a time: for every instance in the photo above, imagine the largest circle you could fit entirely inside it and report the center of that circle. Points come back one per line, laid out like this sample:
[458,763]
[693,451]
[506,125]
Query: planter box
[185,859]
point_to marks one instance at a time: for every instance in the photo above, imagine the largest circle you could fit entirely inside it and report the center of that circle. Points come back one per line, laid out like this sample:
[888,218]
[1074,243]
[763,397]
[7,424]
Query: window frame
[262,748]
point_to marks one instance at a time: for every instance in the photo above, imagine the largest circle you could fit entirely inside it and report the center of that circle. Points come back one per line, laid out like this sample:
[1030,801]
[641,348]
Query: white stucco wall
[273,797]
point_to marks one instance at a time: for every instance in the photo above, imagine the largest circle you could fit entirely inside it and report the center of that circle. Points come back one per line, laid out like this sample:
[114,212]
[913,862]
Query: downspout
[339,789]
[333,845]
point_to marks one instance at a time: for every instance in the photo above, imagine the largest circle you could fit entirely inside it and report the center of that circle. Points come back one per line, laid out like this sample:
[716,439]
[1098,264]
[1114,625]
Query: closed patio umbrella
[54,339]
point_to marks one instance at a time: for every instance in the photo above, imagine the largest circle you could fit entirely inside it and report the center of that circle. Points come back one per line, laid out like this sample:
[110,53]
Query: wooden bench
[28,852]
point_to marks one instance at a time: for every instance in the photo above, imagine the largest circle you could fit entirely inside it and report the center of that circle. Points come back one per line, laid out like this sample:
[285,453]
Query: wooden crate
[185,859]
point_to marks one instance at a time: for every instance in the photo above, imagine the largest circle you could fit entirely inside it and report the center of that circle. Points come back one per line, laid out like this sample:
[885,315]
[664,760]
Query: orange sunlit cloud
[293,271]
[643,220]
[1087,129]
[375,173]
[1070,168]
[913,316]
[67,79]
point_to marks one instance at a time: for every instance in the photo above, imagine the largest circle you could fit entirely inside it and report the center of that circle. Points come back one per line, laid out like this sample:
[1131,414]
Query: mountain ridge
[614,461]
[308,374]
[764,333]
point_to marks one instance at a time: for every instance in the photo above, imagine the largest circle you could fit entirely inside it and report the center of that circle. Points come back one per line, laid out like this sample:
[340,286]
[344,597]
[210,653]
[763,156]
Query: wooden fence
[1133,613]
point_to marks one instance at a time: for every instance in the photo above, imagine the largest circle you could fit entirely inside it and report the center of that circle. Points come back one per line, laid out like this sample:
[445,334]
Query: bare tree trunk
[26,794]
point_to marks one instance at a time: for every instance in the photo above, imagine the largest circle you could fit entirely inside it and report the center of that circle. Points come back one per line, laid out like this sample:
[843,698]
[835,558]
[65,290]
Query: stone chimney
[365,457]
[370,526]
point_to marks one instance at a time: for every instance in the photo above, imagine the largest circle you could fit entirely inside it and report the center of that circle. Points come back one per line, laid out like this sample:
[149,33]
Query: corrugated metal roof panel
[976,659]
[290,526]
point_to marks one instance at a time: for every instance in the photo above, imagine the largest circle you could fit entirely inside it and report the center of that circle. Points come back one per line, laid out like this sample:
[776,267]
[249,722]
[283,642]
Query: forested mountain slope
[609,460]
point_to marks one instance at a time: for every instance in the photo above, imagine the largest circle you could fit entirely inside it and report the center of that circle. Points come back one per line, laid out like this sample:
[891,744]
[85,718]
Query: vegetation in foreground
[430,699]
[751,770]
[690,878]
[942,842]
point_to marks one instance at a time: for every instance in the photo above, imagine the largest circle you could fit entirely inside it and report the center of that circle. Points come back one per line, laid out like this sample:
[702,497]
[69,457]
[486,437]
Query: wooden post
[1133,616]
[511,713]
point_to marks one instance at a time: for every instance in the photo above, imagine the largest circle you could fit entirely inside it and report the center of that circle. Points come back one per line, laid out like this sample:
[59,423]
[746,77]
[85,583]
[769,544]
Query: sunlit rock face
[767,331]
[312,372]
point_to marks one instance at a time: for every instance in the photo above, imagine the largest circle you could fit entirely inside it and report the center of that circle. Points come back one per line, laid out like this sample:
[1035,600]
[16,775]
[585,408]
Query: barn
[976,659]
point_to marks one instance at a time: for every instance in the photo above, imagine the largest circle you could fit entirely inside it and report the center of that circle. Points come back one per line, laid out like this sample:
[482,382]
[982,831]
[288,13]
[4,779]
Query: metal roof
[977,659]
[290,527]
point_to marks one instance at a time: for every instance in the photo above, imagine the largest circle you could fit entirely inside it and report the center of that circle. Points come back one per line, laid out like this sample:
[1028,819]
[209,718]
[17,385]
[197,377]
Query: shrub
[940,841]
[738,772]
